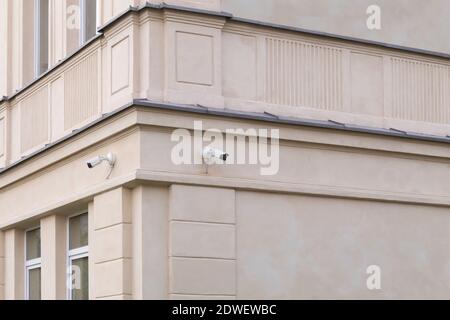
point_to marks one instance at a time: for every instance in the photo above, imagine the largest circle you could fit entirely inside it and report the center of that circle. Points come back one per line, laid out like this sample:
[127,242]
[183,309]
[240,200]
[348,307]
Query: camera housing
[211,155]
[109,158]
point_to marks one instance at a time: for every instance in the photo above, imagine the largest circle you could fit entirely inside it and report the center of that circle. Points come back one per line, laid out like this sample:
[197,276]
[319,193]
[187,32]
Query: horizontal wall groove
[204,258]
[203,294]
[203,222]
[113,260]
[113,225]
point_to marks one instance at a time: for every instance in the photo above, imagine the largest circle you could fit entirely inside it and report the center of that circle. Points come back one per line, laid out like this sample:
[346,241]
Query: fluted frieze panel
[421,91]
[303,74]
[34,115]
[81,92]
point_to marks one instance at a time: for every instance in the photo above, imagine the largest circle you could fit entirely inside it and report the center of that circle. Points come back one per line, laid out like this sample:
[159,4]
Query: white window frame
[74,254]
[82,36]
[30,265]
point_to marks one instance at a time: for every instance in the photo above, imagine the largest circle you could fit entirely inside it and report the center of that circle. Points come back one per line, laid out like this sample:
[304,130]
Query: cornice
[172,15]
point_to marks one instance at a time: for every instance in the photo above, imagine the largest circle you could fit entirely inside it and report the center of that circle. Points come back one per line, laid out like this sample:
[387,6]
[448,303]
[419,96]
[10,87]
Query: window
[78,258]
[88,20]
[81,23]
[41,36]
[33,264]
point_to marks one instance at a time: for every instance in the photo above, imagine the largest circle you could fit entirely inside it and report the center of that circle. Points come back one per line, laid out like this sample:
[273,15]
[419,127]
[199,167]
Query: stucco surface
[411,23]
[313,247]
[341,201]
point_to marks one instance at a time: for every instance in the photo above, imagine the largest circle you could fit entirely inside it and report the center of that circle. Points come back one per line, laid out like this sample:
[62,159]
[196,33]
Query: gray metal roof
[329,124]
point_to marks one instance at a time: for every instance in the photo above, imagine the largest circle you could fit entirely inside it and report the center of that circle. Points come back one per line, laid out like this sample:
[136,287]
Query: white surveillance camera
[210,155]
[110,158]
[94,162]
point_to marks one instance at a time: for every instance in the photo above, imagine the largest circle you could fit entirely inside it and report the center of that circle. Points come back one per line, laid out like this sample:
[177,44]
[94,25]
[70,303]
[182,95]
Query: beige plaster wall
[156,228]
[313,247]
[202,253]
[403,22]
[110,224]
[150,238]
[66,181]
[355,168]
[2,265]
[341,202]
[14,274]
[53,257]
[259,245]
[178,57]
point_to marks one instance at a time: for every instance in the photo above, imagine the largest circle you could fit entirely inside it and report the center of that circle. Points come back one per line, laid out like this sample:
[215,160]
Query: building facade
[105,187]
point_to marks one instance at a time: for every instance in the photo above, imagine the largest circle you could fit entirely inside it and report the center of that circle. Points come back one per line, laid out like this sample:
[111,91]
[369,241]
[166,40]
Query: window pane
[43,36]
[73,25]
[34,284]
[33,244]
[90,19]
[78,231]
[80,279]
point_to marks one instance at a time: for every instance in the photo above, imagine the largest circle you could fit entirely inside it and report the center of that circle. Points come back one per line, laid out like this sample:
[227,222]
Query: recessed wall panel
[194,58]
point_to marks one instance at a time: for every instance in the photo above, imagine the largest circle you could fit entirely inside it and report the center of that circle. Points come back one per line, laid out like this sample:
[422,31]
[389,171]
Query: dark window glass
[90,19]
[33,244]
[80,279]
[42,37]
[34,284]
[78,231]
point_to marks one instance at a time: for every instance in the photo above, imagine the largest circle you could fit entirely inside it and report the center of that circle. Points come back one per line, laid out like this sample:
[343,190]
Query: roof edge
[229,113]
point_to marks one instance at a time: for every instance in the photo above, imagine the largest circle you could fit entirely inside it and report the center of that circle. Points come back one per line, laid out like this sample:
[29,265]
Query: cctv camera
[110,158]
[94,162]
[210,155]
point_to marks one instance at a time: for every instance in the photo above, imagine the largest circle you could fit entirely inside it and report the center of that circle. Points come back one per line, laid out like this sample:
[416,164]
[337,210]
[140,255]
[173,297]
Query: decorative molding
[421,91]
[34,120]
[303,74]
[192,66]
[81,91]
[120,65]
[171,15]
